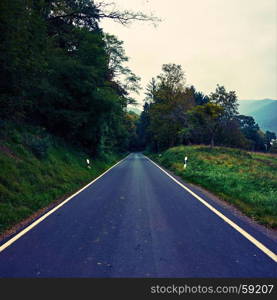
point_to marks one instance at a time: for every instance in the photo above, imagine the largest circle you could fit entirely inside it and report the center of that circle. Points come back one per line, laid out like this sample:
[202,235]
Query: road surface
[135,221]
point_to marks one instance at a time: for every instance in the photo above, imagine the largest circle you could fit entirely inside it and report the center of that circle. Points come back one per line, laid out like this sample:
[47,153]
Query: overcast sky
[227,42]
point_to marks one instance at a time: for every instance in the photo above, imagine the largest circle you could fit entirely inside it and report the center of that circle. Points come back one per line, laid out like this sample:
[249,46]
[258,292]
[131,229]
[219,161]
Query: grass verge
[37,169]
[246,180]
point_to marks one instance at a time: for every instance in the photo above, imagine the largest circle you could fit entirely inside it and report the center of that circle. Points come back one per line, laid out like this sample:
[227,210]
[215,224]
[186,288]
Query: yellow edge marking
[258,244]
[28,228]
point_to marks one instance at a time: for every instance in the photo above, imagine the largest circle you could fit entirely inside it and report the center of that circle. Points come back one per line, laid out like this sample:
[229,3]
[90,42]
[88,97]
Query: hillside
[247,181]
[263,111]
[37,169]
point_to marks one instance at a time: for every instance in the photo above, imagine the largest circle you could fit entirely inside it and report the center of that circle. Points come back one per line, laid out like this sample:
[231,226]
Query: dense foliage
[59,70]
[38,169]
[175,114]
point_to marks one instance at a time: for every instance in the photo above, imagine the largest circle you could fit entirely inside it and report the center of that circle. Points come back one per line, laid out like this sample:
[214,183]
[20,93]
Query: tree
[251,131]
[122,76]
[109,10]
[143,127]
[207,117]
[87,13]
[59,70]
[171,81]
[151,91]
[116,56]
[199,97]
[23,48]
[131,127]
[228,100]
[169,99]
[229,134]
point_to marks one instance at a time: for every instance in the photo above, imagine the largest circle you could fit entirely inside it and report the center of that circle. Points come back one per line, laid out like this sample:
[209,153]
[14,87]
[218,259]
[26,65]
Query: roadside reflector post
[185,162]
[88,162]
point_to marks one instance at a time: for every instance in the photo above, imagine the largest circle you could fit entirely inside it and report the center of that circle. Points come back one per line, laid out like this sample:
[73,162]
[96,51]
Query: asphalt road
[135,221]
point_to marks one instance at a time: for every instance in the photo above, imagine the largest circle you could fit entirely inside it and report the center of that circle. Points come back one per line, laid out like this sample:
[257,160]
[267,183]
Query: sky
[227,42]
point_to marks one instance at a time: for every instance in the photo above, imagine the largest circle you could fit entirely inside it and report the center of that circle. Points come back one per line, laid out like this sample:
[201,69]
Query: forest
[62,73]
[176,114]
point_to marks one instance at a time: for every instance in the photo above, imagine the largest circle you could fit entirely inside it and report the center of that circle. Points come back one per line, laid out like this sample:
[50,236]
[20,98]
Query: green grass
[37,169]
[246,180]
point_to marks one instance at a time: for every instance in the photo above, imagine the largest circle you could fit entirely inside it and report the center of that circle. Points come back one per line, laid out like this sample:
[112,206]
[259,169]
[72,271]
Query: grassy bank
[248,181]
[37,169]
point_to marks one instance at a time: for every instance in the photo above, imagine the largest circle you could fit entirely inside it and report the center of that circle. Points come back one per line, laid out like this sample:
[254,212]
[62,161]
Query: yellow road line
[28,228]
[258,244]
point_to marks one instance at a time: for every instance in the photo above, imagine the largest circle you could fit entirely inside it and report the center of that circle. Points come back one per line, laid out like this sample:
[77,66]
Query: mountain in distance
[263,111]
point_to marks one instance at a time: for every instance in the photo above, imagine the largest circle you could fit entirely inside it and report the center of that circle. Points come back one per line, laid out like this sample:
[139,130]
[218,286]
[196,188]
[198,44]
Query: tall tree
[251,131]
[169,100]
[228,100]
[58,70]
[199,97]
[23,48]
[143,128]
[151,91]
[207,117]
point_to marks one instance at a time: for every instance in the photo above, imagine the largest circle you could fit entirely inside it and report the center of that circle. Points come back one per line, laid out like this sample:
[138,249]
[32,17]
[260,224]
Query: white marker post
[185,162]
[88,163]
